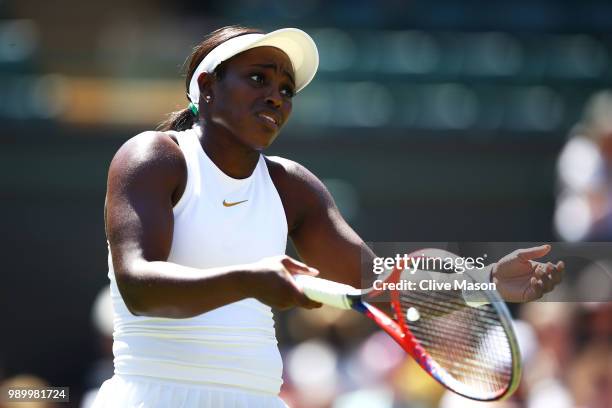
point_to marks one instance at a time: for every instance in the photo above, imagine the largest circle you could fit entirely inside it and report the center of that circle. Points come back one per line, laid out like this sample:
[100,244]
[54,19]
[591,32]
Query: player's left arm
[321,236]
[325,241]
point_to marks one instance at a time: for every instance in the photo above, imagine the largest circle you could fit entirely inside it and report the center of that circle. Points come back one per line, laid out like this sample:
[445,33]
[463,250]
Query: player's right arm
[146,178]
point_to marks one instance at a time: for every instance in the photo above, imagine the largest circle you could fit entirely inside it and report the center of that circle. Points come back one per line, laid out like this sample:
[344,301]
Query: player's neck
[229,155]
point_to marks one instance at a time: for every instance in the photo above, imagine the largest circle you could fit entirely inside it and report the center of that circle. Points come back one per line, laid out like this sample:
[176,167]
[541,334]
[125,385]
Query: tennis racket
[468,347]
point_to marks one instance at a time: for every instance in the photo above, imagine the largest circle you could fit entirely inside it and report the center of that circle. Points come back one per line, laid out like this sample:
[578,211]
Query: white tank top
[234,345]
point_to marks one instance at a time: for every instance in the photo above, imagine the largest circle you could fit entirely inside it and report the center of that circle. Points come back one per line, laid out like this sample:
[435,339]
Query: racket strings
[468,343]
[467,348]
[443,307]
[466,362]
[451,325]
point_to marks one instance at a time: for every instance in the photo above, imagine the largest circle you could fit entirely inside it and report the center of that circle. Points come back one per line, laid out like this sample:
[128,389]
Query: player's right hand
[271,282]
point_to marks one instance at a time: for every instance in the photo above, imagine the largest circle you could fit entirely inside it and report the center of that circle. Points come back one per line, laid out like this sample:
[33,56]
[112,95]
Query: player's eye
[257,77]
[288,92]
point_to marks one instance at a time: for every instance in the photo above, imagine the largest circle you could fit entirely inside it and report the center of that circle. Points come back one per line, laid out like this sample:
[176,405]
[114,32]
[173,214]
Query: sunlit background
[450,120]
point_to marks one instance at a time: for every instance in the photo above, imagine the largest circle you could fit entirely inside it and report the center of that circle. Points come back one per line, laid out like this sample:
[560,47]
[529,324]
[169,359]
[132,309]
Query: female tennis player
[197,220]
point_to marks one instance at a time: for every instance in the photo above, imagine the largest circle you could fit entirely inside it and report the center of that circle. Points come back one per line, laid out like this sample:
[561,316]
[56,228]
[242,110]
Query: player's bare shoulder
[299,189]
[148,163]
[149,153]
[291,174]
[148,148]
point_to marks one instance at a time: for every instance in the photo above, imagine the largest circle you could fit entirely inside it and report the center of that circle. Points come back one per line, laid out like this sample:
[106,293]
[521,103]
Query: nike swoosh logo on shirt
[226,204]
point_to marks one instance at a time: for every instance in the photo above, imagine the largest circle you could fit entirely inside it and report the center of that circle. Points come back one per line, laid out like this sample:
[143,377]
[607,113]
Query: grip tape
[325,291]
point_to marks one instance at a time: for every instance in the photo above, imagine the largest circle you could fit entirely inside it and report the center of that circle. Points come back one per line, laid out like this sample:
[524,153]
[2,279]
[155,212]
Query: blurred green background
[428,121]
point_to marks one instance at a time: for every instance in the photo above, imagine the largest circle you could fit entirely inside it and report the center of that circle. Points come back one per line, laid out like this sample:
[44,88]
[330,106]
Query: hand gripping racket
[468,347]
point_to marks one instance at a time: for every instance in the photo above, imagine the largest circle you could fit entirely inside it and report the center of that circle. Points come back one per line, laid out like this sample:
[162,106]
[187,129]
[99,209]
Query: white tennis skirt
[143,392]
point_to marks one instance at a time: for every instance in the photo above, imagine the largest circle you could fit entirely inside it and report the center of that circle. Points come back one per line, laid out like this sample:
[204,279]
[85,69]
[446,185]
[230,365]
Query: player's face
[253,98]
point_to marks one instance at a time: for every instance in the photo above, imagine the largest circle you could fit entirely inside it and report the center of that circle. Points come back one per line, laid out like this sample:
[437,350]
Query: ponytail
[179,121]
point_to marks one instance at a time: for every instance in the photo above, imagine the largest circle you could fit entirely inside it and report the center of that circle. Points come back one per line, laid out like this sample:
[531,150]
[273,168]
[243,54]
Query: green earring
[193,108]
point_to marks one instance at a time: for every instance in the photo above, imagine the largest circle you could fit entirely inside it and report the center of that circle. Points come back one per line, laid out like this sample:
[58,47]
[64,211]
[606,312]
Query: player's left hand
[520,279]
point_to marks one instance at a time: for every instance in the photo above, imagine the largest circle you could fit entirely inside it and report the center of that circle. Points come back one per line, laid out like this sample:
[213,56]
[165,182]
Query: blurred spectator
[584,204]
[312,368]
[25,381]
[452,400]
[590,375]
[101,369]
[596,322]
[544,374]
[582,371]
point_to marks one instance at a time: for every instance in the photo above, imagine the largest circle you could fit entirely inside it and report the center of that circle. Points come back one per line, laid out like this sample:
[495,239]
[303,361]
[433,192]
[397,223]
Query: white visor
[299,47]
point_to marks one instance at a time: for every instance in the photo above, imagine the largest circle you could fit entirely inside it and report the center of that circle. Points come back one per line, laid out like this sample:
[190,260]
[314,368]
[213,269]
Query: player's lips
[270,118]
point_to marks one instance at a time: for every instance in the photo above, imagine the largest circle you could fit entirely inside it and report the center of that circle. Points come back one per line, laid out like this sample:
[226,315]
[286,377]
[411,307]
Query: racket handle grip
[325,291]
